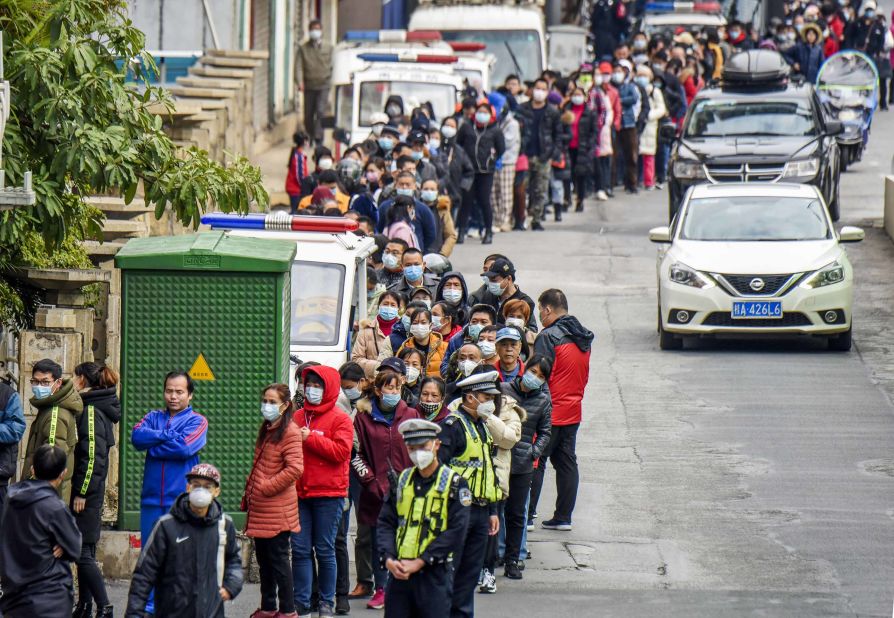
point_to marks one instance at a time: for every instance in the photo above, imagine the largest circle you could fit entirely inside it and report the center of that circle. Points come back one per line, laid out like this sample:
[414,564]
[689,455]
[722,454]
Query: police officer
[467,447]
[422,523]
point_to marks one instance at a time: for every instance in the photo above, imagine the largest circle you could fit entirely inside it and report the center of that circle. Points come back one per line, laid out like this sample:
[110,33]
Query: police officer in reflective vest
[467,447]
[422,523]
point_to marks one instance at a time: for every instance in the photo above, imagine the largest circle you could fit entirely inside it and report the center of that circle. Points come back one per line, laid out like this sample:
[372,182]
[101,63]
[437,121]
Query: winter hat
[554,97]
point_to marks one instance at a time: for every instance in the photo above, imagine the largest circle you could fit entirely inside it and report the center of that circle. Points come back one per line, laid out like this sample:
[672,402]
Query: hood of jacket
[331,388]
[508,404]
[569,326]
[24,494]
[182,512]
[66,397]
[106,399]
[439,293]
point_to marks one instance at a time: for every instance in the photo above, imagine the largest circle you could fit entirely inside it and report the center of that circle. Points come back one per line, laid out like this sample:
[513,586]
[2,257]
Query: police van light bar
[682,6]
[279,221]
[393,36]
[467,46]
[409,57]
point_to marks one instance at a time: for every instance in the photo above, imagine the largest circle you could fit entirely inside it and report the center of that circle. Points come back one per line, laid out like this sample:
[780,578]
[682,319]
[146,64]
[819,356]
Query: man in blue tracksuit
[172,439]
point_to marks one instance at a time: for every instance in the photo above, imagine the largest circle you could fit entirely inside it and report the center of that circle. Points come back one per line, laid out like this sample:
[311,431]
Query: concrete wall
[181,24]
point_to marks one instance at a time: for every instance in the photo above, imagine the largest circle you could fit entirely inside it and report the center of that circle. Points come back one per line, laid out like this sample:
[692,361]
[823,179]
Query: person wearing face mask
[483,142]
[432,404]
[379,458]
[373,333]
[415,275]
[172,439]
[422,295]
[424,223]
[454,167]
[445,231]
[480,316]
[648,143]
[517,313]
[418,142]
[424,339]
[298,397]
[531,393]
[414,360]
[298,169]
[59,408]
[394,107]
[499,278]
[504,176]
[360,198]
[400,332]
[271,511]
[584,133]
[392,272]
[487,343]
[97,386]
[328,438]
[399,221]
[467,447]
[417,554]
[460,367]
[509,363]
[387,140]
[541,128]
[453,291]
[313,73]
[192,548]
[806,57]
[444,320]
[628,137]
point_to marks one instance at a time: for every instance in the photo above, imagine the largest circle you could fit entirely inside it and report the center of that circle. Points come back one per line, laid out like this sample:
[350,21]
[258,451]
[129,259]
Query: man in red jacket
[328,436]
[566,343]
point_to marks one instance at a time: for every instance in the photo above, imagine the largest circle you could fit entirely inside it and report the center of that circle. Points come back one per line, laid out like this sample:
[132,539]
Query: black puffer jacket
[91,465]
[587,137]
[536,428]
[180,561]
[455,170]
[462,308]
[550,129]
[484,146]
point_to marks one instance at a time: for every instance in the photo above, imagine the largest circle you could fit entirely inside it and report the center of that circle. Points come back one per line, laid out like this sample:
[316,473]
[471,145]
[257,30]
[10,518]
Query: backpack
[644,109]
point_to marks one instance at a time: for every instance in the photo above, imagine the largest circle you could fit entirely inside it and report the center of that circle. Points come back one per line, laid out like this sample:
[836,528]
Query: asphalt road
[733,478]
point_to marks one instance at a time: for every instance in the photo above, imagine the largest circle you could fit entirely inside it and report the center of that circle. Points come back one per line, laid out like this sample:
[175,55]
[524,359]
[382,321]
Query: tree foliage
[83,129]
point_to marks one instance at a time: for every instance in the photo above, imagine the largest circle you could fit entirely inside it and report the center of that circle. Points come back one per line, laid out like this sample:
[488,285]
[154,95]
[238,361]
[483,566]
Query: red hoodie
[327,449]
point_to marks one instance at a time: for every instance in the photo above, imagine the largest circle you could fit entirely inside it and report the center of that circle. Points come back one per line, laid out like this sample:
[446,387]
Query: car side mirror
[660,234]
[342,136]
[834,127]
[851,234]
[668,132]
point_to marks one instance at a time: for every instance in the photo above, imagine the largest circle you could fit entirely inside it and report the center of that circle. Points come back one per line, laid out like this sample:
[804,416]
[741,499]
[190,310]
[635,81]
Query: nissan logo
[757,284]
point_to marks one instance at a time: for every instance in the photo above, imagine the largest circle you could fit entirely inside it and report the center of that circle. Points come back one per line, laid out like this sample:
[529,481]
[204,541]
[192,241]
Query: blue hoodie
[172,445]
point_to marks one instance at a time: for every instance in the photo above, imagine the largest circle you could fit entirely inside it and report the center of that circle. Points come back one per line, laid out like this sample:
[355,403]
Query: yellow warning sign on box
[200,369]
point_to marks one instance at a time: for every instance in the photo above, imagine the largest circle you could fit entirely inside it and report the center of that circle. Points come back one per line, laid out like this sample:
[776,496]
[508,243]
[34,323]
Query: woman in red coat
[381,457]
[328,438]
[269,501]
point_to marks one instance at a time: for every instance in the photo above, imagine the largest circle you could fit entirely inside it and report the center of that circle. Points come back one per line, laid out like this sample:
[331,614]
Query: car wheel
[668,341]
[842,342]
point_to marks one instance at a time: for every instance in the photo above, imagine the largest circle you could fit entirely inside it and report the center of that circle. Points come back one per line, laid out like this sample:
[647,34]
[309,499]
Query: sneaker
[530,525]
[342,606]
[536,226]
[327,610]
[304,612]
[601,196]
[512,570]
[489,585]
[556,524]
[378,600]
[481,577]
[521,564]
[659,185]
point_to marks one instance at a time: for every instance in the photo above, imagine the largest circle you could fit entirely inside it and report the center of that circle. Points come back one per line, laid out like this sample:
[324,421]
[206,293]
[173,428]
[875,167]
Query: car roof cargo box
[755,69]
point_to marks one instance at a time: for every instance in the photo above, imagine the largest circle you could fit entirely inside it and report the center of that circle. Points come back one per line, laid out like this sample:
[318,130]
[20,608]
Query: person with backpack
[98,386]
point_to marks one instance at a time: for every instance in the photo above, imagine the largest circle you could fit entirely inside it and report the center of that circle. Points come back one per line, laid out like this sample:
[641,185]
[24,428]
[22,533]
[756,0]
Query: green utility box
[214,305]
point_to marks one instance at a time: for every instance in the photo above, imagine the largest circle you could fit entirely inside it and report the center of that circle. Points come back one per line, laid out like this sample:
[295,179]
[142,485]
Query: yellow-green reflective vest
[475,464]
[420,519]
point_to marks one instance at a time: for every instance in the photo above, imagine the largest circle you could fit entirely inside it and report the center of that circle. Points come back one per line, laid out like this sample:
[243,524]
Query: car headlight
[689,170]
[804,167]
[682,274]
[828,275]
[847,114]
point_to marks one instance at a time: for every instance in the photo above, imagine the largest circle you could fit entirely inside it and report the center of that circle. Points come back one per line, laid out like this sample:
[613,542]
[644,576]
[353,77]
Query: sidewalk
[274,165]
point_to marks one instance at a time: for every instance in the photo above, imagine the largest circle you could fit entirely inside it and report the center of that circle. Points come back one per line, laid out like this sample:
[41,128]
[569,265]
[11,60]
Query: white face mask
[412,375]
[486,409]
[437,322]
[448,131]
[540,95]
[434,144]
[453,296]
[488,348]
[517,322]
[420,331]
[315,34]
[325,164]
[200,497]
[578,99]
[314,394]
[422,459]
[467,367]
[270,411]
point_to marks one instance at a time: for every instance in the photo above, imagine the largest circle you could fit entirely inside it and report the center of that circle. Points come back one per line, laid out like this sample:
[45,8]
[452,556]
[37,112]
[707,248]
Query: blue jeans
[319,524]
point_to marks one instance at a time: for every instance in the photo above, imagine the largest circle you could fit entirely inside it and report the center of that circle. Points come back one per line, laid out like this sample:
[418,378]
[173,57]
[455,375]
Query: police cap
[483,380]
[418,431]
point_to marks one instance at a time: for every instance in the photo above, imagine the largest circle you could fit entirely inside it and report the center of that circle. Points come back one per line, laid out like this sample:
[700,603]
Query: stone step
[211,71]
[181,108]
[115,208]
[209,104]
[204,93]
[203,116]
[113,229]
[235,63]
[254,54]
[211,82]
[97,249]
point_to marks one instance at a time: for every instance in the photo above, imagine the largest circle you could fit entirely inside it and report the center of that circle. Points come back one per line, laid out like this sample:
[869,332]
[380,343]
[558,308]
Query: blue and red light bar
[408,57]
[682,6]
[279,221]
[467,46]
[393,36]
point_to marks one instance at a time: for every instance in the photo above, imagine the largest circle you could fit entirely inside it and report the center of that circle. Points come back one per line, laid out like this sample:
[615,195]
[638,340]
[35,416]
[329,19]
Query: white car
[754,258]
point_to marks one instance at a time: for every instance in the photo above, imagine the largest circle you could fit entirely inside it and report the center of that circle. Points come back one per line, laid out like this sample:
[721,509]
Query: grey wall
[181,24]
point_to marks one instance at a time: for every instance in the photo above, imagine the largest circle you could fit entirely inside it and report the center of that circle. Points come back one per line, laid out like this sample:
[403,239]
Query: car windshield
[755,218]
[522,45]
[317,291]
[373,96]
[725,118]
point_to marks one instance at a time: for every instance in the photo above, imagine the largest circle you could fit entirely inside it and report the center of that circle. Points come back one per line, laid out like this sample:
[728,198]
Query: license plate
[761,309]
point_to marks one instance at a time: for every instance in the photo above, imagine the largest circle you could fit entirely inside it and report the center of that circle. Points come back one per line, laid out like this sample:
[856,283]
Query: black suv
[757,126]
